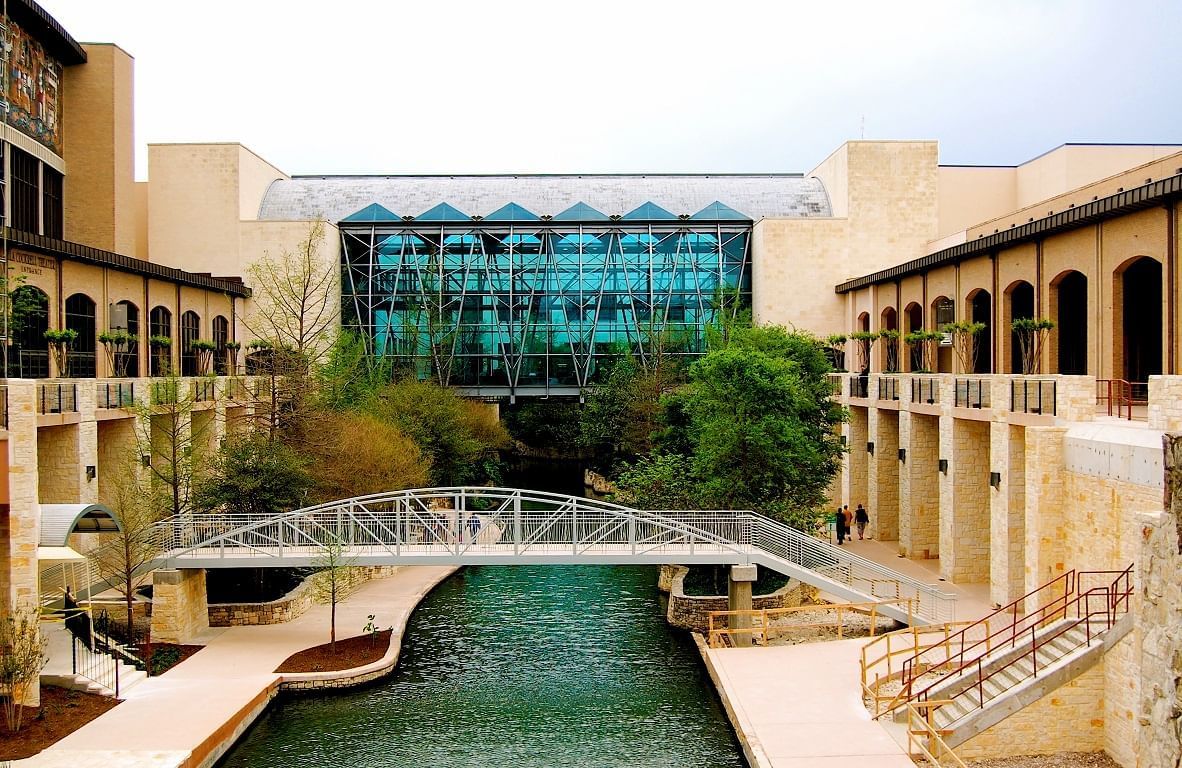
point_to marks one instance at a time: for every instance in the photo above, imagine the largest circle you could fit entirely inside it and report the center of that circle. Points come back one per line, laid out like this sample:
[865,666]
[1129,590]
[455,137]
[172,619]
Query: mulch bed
[166,655]
[1061,760]
[350,652]
[62,712]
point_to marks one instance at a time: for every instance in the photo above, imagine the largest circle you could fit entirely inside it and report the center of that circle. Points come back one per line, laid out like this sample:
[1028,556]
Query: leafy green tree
[253,475]
[21,661]
[547,426]
[619,417]
[350,377]
[662,481]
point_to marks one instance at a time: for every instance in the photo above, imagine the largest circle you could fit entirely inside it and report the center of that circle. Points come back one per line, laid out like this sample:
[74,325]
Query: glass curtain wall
[535,309]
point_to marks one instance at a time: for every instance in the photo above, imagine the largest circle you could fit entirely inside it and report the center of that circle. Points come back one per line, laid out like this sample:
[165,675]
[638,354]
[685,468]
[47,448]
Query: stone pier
[180,610]
[739,599]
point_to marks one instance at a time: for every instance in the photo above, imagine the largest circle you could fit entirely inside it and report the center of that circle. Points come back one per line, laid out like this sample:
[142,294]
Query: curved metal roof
[58,521]
[756,196]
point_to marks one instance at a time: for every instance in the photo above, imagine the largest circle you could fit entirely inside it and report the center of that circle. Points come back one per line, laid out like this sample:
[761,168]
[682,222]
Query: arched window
[221,335]
[80,318]
[190,332]
[28,355]
[889,321]
[943,313]
[1019,305]
[1137,307]
[912,322]
[159,328]
[125,316]
[981,311]
[1069,309]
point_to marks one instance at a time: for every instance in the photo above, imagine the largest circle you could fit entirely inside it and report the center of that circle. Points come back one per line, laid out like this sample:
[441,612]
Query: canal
[518,666]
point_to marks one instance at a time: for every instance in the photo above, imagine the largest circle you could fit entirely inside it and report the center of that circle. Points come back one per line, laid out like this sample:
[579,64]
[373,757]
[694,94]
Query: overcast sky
[483,87]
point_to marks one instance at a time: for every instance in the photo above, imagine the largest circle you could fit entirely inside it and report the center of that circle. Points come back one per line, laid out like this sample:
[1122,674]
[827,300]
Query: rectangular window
[24,192]
[51,207]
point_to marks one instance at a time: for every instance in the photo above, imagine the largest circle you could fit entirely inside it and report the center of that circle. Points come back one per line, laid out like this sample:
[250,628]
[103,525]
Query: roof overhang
[35,20]
[59,555]
[1146,196]
[58,521]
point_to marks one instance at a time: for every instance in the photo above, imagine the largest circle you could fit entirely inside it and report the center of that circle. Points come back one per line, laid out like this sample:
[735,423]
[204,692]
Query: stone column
[964,534]
[919,486]
[739,599]
[180,610]
[1044,506]
[1007,513]
[883,476]
[857,464]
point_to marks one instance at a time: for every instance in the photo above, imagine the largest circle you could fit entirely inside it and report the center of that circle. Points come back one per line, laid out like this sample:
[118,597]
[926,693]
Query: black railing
[4,406]
[925,390]
[1033,396]
[164,392]
[116,395]
[57,398]
[203,390]
[859,386]
[972,393]
[888,388]
[236,390]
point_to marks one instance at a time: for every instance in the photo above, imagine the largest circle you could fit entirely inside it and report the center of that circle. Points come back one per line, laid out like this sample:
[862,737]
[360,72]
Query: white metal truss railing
[476,525]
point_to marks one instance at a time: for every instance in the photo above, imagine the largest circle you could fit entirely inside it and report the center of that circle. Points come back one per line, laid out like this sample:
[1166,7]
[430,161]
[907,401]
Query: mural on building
[33,88]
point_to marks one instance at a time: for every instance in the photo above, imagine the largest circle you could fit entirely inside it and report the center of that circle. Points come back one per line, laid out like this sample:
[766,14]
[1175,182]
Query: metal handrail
[717,636]
[116,394]
[1114,595]
[972,393]
[1029,396]
[940,637]
[1116,393]
[57,398]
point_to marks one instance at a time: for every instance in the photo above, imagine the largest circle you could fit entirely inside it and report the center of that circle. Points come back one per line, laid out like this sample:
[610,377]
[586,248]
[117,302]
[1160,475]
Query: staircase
[1018,659]
[107,671]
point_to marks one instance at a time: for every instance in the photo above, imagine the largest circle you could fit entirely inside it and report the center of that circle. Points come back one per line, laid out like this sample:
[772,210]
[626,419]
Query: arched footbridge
[507,526]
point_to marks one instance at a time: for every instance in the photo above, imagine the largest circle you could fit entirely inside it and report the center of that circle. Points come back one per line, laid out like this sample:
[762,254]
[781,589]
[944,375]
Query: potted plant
[232,348]
[965,342]
[204,350]
[119,345]
[60,343]
[923,345]
[160,348]
[1032,333]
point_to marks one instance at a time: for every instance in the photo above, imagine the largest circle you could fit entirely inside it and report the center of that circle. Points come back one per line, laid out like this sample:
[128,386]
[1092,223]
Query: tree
[965,342]
[360,453]
[350,377]
[165,434]
[60,343]
[661,481]
[890,340]
[22,657]
[334,580]
[1032,333]
[295,296]
[123,557]
[619,417]
[925,342]
[119,346]
[836,344]
[255,476]
[863,342]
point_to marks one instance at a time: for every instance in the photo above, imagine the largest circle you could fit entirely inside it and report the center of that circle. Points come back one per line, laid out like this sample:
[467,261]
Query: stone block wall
[1007,513]
[857,465]
[692,612]
[59,460]
[919,496]
[964,531]
[883,476]
[1165,403]
[1045,492]
[179,609]
[1069,719]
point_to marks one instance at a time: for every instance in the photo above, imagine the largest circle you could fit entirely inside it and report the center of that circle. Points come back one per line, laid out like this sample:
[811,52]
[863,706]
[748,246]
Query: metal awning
[59,555]
[58,521]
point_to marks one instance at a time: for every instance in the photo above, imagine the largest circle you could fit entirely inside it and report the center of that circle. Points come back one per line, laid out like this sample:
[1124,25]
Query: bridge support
[739,599]
[180,610]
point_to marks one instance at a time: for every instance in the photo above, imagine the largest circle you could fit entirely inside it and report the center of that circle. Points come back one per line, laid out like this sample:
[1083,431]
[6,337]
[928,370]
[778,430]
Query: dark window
[28,356]
[126,317]
[80,318]
[190,332]
[160,325]
[24,192]
[221,335]
[51,198]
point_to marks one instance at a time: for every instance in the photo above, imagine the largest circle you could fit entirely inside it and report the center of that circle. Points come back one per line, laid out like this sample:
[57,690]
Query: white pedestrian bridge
[508,526]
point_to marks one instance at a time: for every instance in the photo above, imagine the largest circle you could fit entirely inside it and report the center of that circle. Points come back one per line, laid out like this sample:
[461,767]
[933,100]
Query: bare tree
[333,582]
[22,657]
[165,435]
[123,558]
[295,296]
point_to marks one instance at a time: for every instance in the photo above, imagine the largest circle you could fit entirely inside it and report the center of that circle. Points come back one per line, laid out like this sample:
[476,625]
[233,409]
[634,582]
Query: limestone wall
[692,611]
[883,480]
[179,611]
[964,533]
[919,489]
[290,606]
[1069,719]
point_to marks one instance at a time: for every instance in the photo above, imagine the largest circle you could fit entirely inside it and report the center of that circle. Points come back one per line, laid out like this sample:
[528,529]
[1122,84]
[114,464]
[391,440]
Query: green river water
[518,666]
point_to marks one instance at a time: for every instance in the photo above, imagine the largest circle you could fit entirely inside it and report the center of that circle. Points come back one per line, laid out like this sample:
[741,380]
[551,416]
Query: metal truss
[507,526]
[533,308]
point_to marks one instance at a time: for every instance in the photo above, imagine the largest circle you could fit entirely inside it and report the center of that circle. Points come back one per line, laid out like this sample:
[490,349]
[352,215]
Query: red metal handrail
[1066,582]
[1114,595]
[1117,394]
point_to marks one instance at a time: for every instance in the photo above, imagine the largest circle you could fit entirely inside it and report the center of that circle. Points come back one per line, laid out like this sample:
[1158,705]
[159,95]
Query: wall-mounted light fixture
[90,472]
[843,441]
[870,448]
[903,455]
[943,466]
[995,479]
[146,460]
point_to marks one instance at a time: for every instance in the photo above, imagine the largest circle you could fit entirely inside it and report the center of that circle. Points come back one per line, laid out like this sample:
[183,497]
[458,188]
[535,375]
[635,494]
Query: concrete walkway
[188,715]
[800,705]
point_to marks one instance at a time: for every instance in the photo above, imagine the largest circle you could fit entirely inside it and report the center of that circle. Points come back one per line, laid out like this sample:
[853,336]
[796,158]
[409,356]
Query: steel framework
[507,526]
[509,309]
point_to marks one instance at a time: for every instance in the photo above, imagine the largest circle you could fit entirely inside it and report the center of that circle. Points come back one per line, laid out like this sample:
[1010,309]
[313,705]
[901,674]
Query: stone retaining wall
[290,606]
[692,611]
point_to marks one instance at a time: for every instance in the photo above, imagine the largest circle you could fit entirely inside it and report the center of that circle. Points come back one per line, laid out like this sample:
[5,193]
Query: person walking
[839,525]
[861,517]
[849,522]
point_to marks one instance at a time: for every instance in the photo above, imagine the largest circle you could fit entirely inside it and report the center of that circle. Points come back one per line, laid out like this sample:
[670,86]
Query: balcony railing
[57,398]
[236,390]
[203,390]
[115,395]
[1033,396]
[859,386]
[925,389]
[972,393]
[164,392]
[888,388]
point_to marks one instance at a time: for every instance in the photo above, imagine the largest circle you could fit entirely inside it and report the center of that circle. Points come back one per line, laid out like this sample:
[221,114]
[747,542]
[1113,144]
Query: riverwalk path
[188,716]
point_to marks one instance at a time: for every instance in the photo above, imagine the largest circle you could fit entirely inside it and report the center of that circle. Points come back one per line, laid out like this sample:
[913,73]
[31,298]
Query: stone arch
[28,352]
[80,317]
[888,320]
[1137,319]
[1069,310]
[979,304]
[1018,304]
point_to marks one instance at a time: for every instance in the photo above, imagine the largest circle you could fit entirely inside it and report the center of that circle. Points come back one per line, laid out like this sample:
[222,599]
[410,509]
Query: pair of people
[843,518]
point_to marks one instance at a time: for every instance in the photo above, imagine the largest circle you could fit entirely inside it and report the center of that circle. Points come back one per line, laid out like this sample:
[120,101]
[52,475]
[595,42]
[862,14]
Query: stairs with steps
[71,665]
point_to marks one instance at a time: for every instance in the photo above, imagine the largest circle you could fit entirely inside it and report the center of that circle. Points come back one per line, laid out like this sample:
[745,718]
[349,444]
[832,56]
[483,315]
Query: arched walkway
[1069,308]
